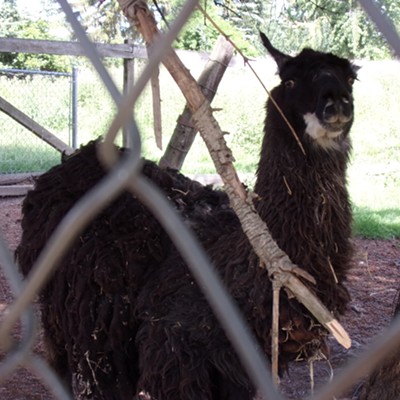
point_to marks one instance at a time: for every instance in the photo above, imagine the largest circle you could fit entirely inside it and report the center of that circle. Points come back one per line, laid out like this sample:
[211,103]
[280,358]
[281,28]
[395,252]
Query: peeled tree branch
[276,262]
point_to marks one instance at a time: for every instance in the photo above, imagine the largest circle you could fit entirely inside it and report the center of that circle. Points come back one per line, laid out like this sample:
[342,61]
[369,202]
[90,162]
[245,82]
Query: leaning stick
[271,257]
[275,329]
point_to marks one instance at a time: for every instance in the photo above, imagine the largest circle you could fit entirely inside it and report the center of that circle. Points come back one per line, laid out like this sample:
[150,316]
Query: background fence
[76,107]
[20,150]
[20,354]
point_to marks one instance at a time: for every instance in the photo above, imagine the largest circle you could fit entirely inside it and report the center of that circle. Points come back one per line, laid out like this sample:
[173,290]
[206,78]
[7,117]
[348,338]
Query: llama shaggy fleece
[123,316]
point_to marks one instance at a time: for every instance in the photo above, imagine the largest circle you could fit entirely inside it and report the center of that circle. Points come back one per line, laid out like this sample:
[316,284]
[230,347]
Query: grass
[374,173]
[376,224]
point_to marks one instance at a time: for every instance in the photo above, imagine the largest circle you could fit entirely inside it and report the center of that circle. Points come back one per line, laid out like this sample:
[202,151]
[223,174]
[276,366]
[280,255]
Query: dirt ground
[373,284]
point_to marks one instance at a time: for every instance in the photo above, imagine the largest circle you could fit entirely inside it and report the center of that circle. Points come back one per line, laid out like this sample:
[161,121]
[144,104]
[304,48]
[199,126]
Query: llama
[122,314]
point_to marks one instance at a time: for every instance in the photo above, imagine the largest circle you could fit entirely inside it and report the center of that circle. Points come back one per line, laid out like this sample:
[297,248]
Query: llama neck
[291,173]
[282,158]
[304,202]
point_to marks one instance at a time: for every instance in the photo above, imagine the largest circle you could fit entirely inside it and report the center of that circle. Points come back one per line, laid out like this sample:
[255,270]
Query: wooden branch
[271,256]
[276,286]
[209,80]
[34,127]
[13,179]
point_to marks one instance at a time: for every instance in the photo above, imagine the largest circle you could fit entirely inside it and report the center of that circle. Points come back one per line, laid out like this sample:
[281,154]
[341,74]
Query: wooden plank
[8,179]
[69,48]
[14,190]
[34,127]
[126,50]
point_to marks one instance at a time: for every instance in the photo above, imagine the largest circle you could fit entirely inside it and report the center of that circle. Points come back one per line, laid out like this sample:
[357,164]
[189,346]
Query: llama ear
[279,57]
[355,68]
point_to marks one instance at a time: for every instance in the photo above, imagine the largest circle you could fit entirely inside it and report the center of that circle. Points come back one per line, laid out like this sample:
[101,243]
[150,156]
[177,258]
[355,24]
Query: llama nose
[337,110]
[331,111]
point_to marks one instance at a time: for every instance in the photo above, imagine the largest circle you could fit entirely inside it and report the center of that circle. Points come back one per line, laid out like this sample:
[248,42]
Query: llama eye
[350,80]
[289,83]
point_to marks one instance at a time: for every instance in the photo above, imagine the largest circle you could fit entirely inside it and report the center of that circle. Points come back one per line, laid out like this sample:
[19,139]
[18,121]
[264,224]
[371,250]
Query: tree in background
[104,21]
[199,34]
[14,25]
[339,26]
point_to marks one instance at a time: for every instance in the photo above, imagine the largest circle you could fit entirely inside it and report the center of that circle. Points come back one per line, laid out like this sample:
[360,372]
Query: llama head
[315,94]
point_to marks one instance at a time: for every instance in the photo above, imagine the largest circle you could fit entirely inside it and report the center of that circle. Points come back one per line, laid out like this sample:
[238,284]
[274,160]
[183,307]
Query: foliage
[339,26]
[12,24]
[104,24]
[104,21]
[199,34]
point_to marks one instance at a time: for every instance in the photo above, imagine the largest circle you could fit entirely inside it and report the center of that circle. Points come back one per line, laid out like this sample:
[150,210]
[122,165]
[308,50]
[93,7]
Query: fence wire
[125,174]
[20,150]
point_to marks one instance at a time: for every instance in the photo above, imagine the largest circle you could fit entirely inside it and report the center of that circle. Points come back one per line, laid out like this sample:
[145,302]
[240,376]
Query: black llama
[123,316]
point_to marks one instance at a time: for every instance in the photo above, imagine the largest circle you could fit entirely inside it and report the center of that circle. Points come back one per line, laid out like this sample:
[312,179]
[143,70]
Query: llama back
[89,302]
[59,189]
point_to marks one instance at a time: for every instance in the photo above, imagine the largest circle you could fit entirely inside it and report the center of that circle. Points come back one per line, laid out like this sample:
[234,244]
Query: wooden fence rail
[125,50]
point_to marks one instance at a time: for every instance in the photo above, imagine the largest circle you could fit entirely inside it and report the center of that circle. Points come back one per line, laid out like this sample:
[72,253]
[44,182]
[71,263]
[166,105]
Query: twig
[275,332]
[287,186]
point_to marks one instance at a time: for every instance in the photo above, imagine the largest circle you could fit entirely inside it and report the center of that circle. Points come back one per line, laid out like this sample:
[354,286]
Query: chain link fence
[46,97]
[126,174]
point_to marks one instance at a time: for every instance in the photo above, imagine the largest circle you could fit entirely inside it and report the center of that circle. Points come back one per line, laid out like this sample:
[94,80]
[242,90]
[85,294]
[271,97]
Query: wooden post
[74,95]
[129,74]
[185,130]
[156,94]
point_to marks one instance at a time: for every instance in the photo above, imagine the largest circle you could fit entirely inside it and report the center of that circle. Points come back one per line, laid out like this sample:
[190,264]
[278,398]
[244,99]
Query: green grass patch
[21,151]
[44,158]
[374,173]
[376,224]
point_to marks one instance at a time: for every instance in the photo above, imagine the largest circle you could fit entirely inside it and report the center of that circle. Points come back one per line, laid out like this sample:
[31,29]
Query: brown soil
[373,284]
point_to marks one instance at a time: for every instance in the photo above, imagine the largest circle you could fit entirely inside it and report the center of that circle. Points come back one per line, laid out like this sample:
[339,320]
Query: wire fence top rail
[125,174]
